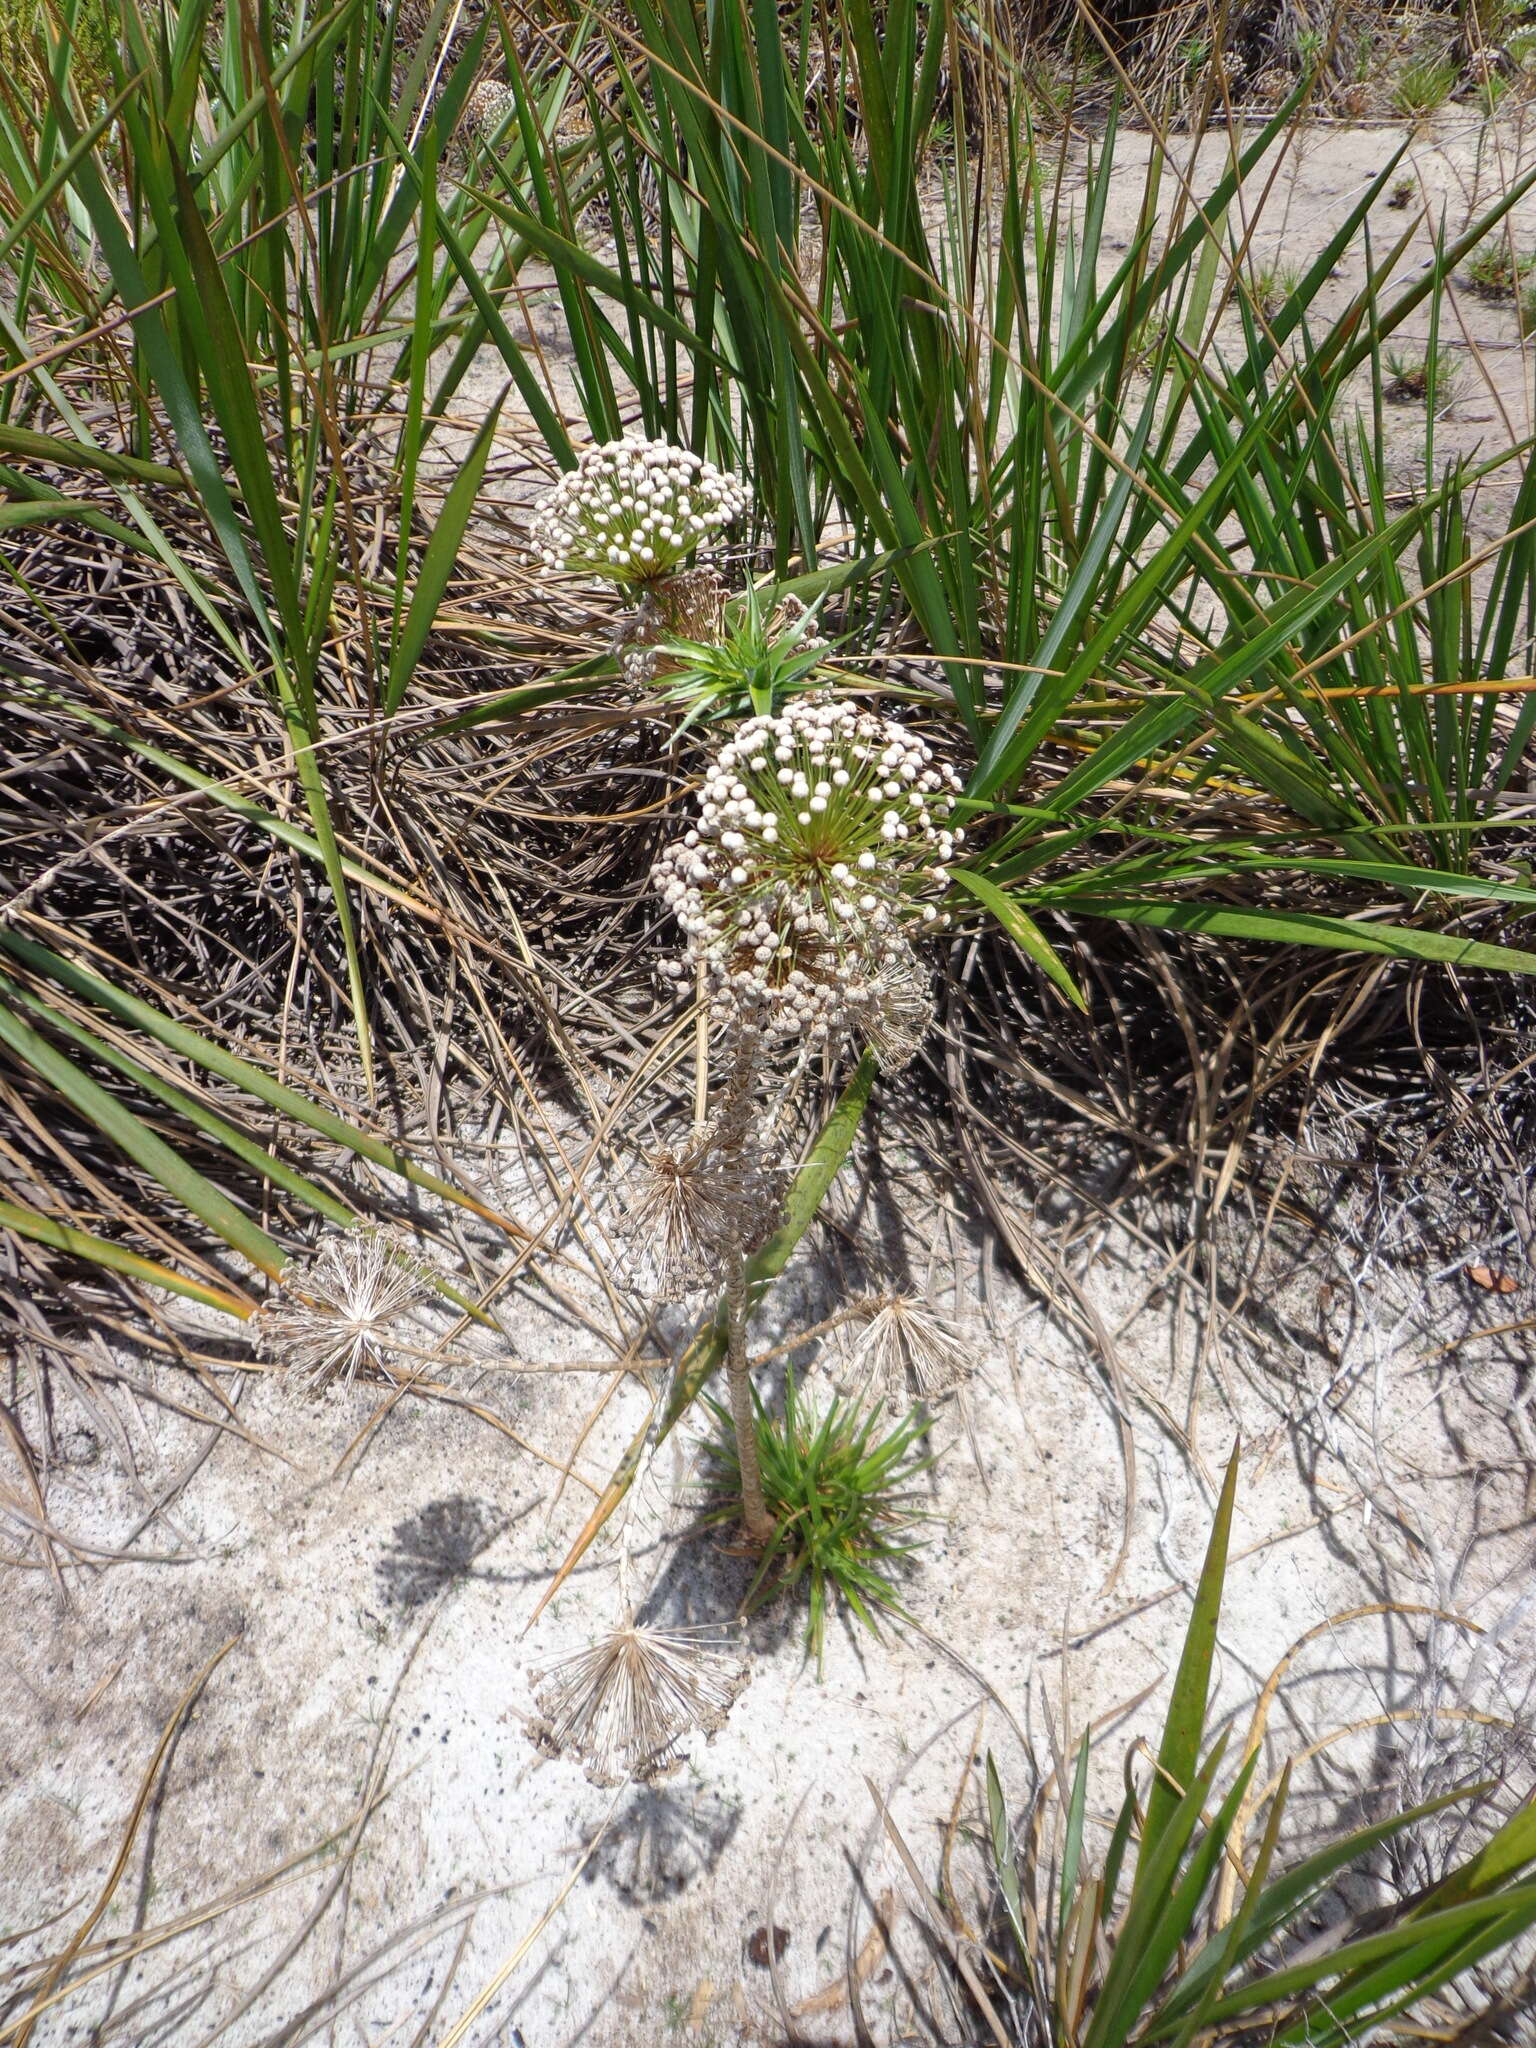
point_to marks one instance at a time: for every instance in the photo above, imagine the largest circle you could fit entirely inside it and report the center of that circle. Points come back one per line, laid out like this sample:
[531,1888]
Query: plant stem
[701,1053]
[758,1522]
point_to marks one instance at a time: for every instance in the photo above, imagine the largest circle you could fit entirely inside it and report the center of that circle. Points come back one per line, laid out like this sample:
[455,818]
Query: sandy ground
[352,1836]
[358,1770]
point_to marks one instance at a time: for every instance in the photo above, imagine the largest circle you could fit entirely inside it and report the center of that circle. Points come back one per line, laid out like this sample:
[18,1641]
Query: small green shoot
[764,656]
[1423,84]
[840,1497]
[1274,286]
[1414,377]
[1497,270]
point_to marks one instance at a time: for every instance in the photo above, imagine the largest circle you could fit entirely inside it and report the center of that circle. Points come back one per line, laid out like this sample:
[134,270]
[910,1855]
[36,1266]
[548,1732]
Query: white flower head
[634,510]
[488,104]
[625,1704]
[346,1308]
[822,840]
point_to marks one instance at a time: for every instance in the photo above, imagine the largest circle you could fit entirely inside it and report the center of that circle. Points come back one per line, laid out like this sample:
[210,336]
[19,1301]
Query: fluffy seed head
[822,838]
[899,1334]
[345,1309]
[689,1208]
[634,510]
[623,1705]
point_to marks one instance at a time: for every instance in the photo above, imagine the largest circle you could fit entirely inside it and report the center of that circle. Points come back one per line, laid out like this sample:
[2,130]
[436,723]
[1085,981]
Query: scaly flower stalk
[756,1520]
[694,1214]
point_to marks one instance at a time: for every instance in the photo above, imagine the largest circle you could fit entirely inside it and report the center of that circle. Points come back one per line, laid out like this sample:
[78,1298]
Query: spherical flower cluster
[487,105]
[823,836]
[634,510]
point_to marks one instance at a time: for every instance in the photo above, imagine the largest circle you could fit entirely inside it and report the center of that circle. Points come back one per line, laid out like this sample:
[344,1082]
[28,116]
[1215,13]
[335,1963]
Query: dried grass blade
[22,2032]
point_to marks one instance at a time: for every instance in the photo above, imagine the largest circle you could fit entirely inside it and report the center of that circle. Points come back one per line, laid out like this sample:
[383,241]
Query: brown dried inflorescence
[690,1208]
[894,1336]
[346,1309]
[624,1704]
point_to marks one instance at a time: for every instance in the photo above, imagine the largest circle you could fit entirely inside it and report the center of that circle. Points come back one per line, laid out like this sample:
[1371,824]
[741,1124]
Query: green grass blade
[1179,1754]
[1305,928]
[208,1121]
[1282,1902]
[116,1258]
[1072,1850]
[215,1059]
[144,1147]
[1418,1945]
[1229,1942]
[1159,1923]
[437,561]
[1022,929]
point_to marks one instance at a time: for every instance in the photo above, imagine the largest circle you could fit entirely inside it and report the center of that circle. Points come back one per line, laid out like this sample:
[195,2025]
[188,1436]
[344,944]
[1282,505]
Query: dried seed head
[790,619]
[892,1011]
[689,1209]
[345,1308]
[634,510]
[822,838]
[692,604]
[623,1705]
[899,1334]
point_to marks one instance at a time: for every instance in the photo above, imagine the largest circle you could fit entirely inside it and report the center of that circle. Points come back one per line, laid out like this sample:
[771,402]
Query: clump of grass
[1496,270]
[1414,377]
[1423,84]
[1273,285]
[840,1498]
[1187,1928]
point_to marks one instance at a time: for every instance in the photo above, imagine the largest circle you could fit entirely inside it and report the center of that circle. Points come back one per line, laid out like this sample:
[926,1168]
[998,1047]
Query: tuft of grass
[1497,269]
[1415,377]
[1424,84]
[840,1498]
[1183,1929]
[284,352]
[1274,285]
